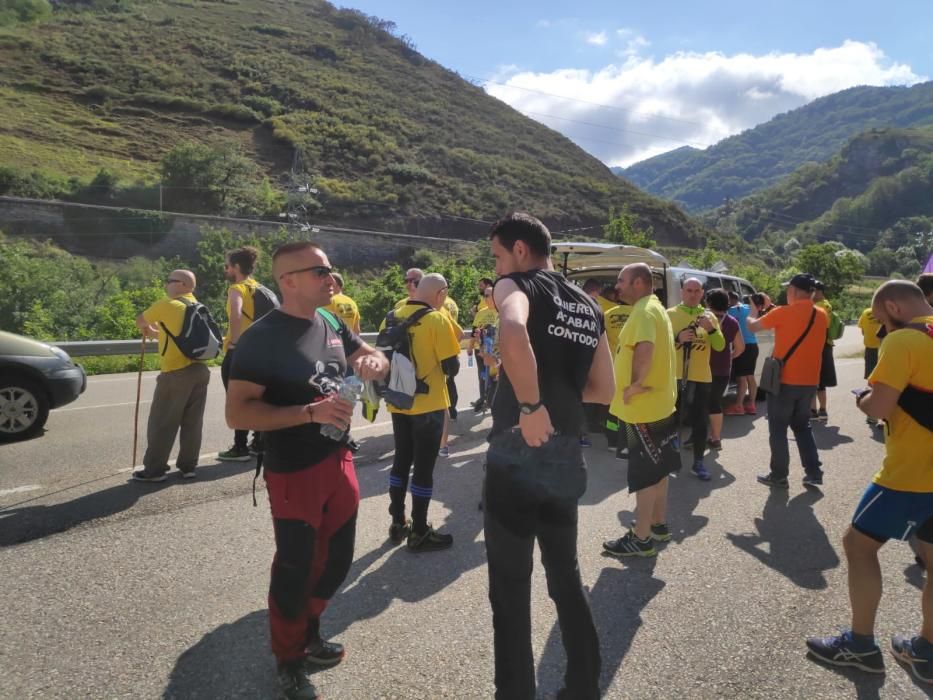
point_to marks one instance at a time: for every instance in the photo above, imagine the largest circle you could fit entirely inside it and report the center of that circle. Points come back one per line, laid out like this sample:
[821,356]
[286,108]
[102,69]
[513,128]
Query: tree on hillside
[12,11]
[837,269]
[206,179]
[623,228]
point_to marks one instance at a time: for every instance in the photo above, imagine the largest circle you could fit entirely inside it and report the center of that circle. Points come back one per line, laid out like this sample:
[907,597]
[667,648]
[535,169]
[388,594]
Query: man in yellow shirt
[181,387]
[435,351]
[486,317]
[645,399]
[899,501]
[696,332]
[343,306]
[238,270]
[828,365]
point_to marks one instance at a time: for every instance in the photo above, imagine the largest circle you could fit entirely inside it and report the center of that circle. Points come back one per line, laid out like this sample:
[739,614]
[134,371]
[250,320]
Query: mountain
[880,182]
[759,157]
[377,133]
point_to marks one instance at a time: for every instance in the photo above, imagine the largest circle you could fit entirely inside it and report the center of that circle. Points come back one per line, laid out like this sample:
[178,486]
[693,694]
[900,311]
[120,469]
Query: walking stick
[139,386]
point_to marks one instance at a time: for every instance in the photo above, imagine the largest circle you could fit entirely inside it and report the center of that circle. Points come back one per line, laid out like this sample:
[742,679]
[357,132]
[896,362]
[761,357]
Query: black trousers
[514,518]
[417,440]
[693,405]
[240,437]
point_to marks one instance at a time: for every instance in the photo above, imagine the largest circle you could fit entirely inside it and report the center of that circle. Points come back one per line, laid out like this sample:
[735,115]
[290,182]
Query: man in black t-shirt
[284,382]
[555,355]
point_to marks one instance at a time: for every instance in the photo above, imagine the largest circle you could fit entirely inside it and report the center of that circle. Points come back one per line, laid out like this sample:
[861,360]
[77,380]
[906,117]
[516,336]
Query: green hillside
[385,136]
[759,157]
[875,196]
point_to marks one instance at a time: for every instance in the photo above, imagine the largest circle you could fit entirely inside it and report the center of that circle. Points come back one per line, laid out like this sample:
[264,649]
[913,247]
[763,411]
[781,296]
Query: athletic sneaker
[294,683]
[700,471]
[140,475]
[843,650]
[622,454]
[443,452]
[659,532]
[812,480]
[585,442]
[822,416]
[750,408]
[324,654]
[687,444]
[630,546]
[188,475]
[814,414]
[771,480]
[399,532]
[714,444]
[917,652]
[733,410]
[429,541]
[254,446]
[235,454]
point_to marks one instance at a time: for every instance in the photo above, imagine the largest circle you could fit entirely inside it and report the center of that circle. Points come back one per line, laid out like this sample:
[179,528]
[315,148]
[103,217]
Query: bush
[12,11]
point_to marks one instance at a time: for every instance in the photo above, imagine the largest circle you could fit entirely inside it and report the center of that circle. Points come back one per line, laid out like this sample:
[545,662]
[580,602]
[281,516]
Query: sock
[397,499]
[864,641]
[420,498]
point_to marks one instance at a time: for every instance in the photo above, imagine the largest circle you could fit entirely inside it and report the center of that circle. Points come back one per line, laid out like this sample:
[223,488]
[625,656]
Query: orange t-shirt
[789,322]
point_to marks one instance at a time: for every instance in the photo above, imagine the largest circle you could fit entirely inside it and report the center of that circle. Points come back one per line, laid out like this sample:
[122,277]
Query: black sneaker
[842,650]
[429,541]
[324,654]
[398,532]
[822,416]
[771,480]
[141,475]
[294,683]
[917,653]
[235,454]
[630,546]
[809,480]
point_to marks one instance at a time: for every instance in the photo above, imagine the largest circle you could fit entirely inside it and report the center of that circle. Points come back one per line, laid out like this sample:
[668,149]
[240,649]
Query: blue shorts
[885,514]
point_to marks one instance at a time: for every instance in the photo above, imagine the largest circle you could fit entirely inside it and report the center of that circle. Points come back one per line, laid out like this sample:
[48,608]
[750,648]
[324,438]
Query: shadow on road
[790,539]
[867,686]
[828,436]
[617,599]
[19,524]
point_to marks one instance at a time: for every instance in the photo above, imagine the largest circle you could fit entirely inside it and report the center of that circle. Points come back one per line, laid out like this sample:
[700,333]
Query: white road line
[100,405]
[21,489]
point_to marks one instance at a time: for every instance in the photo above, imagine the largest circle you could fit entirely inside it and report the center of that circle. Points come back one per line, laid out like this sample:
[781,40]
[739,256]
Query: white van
[603,261]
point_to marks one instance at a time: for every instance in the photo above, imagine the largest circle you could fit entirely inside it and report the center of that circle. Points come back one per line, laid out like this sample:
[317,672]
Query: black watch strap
[529,408]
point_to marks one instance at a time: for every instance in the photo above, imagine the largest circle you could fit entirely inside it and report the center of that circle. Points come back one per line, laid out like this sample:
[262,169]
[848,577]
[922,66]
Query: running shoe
[814,414]
[429,541]
[822,416]
[630,546]
[734,410]
[399,532]
[843,650]
[324,654]
[294,683]
[188,475]
[585,442]
[700,471]
[917,652]
[443,452]
[141,475]
[235,454]
[771,480]
[659,532]
[810,480]
[714,444]
[750,408]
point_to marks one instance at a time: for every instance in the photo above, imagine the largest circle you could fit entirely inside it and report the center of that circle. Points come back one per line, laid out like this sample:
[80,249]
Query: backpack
[200,336]
[402,383]
[836,327]
[264,300]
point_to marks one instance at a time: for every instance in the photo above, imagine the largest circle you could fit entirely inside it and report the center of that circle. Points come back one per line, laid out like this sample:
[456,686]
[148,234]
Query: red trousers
[314,517]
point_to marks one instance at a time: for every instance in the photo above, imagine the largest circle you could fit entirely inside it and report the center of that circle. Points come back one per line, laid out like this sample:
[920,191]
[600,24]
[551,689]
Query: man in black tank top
[555,356]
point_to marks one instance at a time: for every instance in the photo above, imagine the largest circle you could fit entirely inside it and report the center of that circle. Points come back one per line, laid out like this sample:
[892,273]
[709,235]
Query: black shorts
[654,452]
[827,368]
[744,365]
[871,360]
[717,391]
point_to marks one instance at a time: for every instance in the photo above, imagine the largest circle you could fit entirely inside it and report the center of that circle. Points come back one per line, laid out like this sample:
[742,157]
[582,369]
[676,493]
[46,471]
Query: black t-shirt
[297,360]
[564,326]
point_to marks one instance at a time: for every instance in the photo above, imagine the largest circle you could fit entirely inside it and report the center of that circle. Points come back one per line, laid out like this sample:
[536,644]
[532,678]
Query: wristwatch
[529,408]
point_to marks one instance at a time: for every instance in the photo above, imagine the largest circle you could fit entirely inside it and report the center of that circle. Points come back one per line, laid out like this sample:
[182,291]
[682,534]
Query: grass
[115,364]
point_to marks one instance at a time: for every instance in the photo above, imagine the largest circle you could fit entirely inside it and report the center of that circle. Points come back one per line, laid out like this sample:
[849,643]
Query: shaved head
[186,281]
[432,290]
[896,302]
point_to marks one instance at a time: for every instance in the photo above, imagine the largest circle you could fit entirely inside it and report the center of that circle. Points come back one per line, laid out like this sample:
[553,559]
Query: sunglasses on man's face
[170,281]
[412,280]
[320,271]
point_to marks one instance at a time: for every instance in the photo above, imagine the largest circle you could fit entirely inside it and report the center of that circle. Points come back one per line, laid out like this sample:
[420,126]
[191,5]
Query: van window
[730,285]
[747,290]
[712,282]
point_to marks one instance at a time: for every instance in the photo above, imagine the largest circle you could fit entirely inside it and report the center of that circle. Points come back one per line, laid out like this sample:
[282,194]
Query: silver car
[34,378]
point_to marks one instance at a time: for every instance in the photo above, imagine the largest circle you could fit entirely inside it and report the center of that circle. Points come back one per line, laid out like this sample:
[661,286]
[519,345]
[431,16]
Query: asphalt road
[117,589]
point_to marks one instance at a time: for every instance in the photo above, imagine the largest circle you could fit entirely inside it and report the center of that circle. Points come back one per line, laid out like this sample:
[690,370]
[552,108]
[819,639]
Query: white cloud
[625,112]
[596,38]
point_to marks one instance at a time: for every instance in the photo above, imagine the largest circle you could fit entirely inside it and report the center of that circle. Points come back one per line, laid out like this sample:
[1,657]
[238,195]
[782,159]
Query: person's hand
[687,335]
[536,428]
[150,331]
[633,390]
[332,410]
[371,367]
[705,323]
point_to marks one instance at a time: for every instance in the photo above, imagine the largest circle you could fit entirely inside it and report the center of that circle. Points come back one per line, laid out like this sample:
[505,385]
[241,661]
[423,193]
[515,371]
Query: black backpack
[264,300]
[400,387]
[200,337]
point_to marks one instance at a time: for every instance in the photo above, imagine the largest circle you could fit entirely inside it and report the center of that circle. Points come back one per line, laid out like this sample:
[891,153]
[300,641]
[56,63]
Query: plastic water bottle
[470,360]
[351,388]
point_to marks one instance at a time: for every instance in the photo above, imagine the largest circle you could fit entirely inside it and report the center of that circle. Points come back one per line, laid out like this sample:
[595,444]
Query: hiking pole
[139,386]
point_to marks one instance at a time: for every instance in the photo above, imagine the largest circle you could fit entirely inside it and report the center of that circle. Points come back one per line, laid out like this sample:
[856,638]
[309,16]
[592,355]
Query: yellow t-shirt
[869,326]
[170,312]
[615,321]
[906,358]
[699,370]
[828,308]
[482,304]
[246,288]
[452,309]
[648,323]
[458,329]
[345,309]
[433,339]
[605,304]
[486,317]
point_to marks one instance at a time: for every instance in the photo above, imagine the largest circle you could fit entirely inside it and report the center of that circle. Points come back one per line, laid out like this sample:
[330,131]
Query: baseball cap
[802,280]
[818,285]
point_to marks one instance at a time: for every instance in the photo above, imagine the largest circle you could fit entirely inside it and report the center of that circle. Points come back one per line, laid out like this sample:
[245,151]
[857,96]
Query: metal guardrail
[98,348]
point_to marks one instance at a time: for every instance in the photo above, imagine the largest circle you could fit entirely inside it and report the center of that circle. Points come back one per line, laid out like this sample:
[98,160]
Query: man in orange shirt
[799,321]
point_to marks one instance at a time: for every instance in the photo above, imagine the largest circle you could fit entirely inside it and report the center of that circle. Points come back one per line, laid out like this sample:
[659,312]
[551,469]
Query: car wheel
[24,408]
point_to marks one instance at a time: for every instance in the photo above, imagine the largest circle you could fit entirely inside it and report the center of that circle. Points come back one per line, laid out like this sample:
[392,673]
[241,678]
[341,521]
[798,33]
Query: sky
[628,80]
